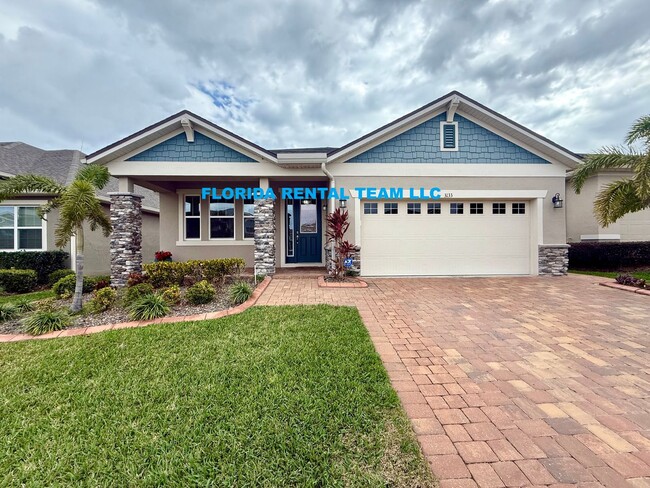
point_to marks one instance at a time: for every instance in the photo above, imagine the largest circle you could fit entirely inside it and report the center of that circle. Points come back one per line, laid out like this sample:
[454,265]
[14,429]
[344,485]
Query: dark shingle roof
[18,158]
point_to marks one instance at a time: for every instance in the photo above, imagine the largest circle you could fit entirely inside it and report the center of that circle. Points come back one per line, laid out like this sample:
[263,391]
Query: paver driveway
[511,381]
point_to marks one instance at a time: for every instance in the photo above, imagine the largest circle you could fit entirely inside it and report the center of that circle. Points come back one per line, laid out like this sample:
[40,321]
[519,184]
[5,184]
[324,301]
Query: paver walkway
[511,381]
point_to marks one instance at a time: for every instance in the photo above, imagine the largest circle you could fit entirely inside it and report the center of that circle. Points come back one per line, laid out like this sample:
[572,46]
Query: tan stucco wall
[97,257]
[554,219]
[581,220]
[169,237]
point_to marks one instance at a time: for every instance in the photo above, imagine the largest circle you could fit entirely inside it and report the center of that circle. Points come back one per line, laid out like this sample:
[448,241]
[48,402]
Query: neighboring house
[22,229]
[582,225]
[495,216]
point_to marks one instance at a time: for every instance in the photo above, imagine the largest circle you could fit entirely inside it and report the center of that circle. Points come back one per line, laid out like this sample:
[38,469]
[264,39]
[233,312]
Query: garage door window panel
[476,208]
[456,208]
[370,208]
[518,208]
[413,208]
[499,208]
[390,208]
[434,208]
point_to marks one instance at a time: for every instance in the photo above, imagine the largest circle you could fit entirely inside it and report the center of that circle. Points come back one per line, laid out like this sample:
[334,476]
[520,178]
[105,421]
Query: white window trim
[234,222]
[442,139]
[376,208]
[185,217]
[15,228]
[243,221]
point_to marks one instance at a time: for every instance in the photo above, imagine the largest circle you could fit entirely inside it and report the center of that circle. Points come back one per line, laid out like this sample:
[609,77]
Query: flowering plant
[163,256]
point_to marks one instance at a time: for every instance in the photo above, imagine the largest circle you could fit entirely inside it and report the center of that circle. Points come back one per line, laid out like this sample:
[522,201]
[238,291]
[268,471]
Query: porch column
[265,236]
[126,238]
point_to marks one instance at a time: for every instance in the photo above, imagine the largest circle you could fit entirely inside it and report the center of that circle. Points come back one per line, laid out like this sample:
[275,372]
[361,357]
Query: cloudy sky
[292,73]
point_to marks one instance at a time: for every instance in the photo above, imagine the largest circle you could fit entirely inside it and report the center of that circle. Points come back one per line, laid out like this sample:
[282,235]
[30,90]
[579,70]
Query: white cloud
[309,73]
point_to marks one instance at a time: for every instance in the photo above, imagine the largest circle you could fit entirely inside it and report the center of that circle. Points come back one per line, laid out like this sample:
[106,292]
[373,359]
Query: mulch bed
[117,314]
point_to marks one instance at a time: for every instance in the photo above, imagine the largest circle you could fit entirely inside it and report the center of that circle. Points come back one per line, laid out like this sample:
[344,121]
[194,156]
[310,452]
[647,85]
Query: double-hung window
[249,218]
[192,217]
[21,228]
[222,219]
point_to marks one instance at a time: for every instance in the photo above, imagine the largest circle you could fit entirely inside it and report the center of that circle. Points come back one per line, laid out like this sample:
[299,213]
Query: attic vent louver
[449,136]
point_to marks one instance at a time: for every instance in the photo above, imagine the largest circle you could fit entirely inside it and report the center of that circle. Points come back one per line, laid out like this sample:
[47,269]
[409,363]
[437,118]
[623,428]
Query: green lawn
[35,295]
[276,396]
[644,275]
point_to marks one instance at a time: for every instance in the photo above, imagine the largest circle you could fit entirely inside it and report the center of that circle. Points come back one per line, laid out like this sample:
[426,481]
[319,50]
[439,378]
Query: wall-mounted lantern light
[557,201]
[342,203]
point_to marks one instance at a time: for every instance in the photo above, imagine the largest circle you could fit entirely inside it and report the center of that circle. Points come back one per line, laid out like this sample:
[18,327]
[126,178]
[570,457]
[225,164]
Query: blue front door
[303,224]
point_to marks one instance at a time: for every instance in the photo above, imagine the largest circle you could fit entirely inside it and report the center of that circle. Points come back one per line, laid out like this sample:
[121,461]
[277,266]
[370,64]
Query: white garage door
[445,238]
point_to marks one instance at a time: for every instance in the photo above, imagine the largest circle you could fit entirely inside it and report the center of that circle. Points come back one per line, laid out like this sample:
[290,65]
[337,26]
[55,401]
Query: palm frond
[21,184]
[98,218]
[642,177]
[608,157]
[94,174]
[639,130]
[616,200]
[77,203]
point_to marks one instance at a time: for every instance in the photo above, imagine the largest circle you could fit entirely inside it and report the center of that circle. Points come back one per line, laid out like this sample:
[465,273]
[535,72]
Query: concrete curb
[633,289]
[127,325]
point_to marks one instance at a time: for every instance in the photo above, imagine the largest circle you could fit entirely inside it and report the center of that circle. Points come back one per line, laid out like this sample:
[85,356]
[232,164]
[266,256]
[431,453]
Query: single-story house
[495,216]
[22,230]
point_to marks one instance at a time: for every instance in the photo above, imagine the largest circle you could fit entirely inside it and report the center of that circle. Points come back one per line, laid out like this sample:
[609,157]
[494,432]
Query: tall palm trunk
[79,270]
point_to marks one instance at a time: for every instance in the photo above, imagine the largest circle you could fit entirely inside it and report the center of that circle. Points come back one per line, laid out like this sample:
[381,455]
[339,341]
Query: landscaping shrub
[57,275]
[43,262]
[101,282]
[46,319]
[64,288]
[629,280]
[18,280]
[23,304]
[202,292]
[136,292]
[167,273]
[103,299]
[148,307]
[609,256]
[172,295]
[135,279]
[240,292]
[8,311]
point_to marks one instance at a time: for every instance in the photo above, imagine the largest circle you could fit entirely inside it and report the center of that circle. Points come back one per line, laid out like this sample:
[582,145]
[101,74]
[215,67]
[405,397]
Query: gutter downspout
[330,204]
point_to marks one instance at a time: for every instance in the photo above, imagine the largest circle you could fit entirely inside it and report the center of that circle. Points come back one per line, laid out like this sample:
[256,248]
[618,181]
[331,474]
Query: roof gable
[203,149]
[421,144]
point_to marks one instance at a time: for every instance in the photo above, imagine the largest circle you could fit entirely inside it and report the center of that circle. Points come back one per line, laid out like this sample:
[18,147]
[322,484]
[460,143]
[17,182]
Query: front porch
[267,233]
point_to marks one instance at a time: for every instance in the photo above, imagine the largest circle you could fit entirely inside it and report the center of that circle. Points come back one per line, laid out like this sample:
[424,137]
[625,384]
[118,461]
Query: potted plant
[337,226]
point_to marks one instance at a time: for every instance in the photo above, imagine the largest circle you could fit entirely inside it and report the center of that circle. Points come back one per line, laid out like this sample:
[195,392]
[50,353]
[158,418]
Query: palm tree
[625,195]
[77,204]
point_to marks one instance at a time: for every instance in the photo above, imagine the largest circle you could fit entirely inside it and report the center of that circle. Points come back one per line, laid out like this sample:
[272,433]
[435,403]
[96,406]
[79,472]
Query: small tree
[77,204]
[337,226]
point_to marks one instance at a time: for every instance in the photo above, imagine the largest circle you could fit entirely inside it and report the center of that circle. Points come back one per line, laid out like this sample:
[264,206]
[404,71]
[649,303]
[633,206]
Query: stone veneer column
[553,259]
[126,238]
[265,236]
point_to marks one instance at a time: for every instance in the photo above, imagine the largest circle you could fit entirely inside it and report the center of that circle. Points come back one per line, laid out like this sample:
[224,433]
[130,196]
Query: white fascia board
[488,170]
[560,155]
[172,128]
[207,169]
[302,158]
[391,131]
[105,156]
[480,194]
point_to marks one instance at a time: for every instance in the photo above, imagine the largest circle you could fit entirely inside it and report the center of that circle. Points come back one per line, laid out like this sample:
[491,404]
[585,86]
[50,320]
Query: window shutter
[449,136]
